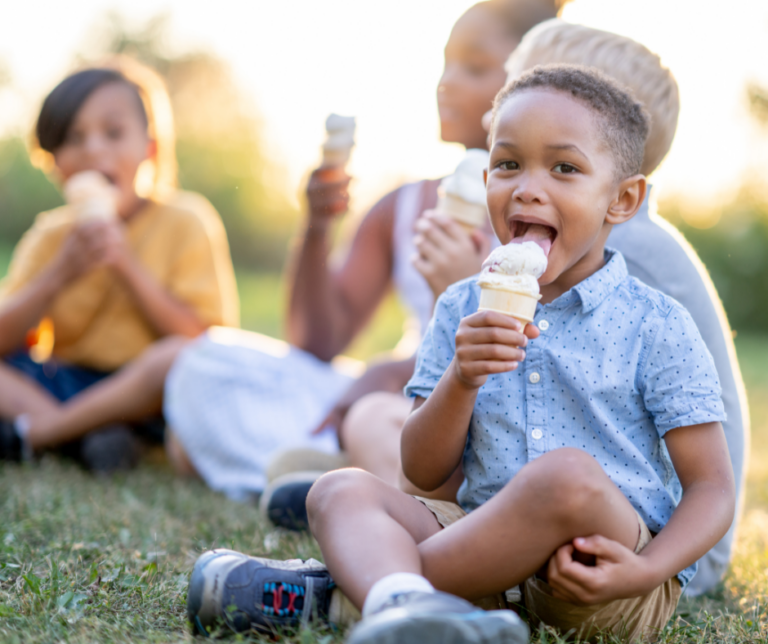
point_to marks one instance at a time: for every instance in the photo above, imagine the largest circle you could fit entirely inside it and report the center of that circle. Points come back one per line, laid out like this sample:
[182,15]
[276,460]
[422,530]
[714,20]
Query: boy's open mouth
[541,234]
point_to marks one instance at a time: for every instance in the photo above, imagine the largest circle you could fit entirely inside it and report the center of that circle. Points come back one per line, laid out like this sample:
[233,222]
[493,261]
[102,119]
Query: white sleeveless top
[411,286]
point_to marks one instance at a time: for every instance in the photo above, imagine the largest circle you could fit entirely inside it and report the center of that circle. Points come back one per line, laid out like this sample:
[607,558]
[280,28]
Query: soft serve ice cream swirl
[515,267]
[461,195]
[466,182]
[341,138]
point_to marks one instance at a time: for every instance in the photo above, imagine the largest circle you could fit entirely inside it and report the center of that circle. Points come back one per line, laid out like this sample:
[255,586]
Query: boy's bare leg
[367,530]
[371,434]
[133,393]
[21,395]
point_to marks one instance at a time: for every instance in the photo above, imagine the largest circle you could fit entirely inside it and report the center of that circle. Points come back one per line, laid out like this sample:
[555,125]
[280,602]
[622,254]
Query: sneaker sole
[493,627]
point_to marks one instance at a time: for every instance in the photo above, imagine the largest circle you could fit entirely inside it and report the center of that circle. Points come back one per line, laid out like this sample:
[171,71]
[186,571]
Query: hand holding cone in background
[92,195]
[461,196]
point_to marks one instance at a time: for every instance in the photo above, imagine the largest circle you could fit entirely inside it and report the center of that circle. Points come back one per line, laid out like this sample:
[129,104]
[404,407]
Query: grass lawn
[84,559]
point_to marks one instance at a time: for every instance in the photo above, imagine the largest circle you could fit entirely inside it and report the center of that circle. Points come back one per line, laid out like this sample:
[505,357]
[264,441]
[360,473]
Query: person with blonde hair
[655,251]
[120,290]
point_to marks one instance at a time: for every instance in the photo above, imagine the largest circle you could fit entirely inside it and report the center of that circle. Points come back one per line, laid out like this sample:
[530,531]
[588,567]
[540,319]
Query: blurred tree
[734,249]
[218,147]
[218,144]
[24,191]
[758,102]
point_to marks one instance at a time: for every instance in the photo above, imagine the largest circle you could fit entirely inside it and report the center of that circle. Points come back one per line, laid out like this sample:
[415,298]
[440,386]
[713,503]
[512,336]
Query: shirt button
[534,377]
[537,434]
[543,325]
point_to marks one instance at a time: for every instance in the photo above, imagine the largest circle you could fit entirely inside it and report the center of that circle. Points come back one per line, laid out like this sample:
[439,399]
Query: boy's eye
[114,133]
[507,165]
[565,168]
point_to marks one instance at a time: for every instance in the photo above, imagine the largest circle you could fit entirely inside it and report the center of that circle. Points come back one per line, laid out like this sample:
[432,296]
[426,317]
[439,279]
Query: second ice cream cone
[469,215]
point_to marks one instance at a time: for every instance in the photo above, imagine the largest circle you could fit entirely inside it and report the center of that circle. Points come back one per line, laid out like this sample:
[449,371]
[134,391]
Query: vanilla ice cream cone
[337,148]
[509,280]
[520,306]
[461,196]
[468,215]
[92,196]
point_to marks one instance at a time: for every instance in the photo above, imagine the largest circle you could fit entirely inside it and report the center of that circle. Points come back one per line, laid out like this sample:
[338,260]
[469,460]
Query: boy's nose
[448,79]
[527,189]
[93,146]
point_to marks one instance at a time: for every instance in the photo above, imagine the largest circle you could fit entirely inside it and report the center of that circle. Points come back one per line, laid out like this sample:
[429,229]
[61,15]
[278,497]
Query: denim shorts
[64,381]
[61,380]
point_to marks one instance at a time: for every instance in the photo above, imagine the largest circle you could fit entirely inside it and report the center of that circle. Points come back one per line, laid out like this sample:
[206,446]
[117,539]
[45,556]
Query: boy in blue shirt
[596,467]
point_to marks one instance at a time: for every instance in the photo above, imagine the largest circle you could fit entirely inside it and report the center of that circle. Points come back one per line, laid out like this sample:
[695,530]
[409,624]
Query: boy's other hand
[446,252]
[327,194]
[489,342]
[90,245]
[109,243]
[616,573]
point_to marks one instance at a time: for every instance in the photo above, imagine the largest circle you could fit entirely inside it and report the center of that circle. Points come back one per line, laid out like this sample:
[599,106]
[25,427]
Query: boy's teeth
[541,235]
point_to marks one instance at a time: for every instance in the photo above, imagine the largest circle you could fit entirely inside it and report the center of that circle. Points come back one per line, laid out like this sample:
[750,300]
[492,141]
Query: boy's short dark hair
[65,100]
[622,120]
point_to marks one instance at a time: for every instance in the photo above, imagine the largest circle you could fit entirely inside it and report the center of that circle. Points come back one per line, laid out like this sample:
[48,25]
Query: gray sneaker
[247,593]
[438,618]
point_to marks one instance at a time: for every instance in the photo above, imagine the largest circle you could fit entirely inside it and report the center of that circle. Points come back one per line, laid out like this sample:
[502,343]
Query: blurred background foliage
[732,241]
[221,155]
[219,148]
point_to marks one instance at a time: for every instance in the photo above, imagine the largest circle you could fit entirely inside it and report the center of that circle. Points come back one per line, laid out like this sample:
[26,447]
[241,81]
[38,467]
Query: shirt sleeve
[196,278]
[37,247]
[437,347]
[679,379]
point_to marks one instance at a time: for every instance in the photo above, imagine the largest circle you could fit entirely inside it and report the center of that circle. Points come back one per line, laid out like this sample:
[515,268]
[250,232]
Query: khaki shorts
[638,618]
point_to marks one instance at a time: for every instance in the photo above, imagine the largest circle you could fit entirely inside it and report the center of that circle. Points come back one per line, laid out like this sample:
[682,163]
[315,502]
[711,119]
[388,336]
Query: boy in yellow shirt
[122,292]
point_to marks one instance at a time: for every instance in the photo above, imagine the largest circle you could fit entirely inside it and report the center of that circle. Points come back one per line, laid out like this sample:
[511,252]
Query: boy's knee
[158,358]
[331,490]
[567,481]
[371,412]
[166,349]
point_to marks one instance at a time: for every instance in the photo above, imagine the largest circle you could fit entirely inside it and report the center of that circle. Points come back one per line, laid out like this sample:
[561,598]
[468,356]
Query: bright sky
[380,61]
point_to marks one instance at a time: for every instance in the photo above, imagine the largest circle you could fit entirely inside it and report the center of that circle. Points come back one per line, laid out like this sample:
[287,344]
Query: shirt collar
[598,286]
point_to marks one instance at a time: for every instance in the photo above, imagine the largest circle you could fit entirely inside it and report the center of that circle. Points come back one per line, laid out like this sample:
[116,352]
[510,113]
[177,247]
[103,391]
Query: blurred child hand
[327,194]
[617,572]
[447,253]
[489,342]
[109,242]
[90,245]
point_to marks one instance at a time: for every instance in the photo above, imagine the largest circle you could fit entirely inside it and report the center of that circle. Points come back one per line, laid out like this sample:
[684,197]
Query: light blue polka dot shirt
[617,365]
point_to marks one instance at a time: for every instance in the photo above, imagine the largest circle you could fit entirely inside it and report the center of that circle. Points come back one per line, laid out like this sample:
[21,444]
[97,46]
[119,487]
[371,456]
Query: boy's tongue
[541,235]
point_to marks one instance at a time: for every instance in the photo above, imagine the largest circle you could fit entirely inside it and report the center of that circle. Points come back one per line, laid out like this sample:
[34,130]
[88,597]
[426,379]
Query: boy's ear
[631,194]
[485,176]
